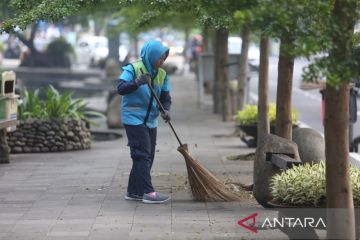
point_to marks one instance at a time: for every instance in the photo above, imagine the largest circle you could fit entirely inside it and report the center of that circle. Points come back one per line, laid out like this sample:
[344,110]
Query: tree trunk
[223,75]
[262,171]
[32,57]
[185,61]
[29,42]
[243,70]
[284,88]
[186,44]
[205,41]
[136,47]
[263,103]
[217,73]
[4,149]
[338,187]
[114,42]
[340,222]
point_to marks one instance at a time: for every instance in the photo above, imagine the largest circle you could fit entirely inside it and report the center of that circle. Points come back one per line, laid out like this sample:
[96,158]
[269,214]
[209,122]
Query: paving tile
[152,228]
[111,220]
[159,219]
[106,231]
[67,235]
[25,236]
[150,235]
[43,213]
[191,236]
[4,228]
[3,236]
[71,227]
[196,227]
[70,212]
[31,228]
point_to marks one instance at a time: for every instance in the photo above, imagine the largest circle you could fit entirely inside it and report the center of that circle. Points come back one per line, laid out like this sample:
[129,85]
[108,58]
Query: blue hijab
[151,52]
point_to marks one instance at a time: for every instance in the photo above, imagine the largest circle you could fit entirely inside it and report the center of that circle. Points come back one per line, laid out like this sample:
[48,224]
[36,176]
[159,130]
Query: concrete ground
[79,195]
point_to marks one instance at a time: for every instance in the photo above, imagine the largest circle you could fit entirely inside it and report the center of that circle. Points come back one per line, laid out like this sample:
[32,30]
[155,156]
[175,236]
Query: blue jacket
[135,109]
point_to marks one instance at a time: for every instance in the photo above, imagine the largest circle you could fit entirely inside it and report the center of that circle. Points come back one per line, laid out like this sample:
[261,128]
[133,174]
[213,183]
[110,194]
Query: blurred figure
[195,49]
[13,48]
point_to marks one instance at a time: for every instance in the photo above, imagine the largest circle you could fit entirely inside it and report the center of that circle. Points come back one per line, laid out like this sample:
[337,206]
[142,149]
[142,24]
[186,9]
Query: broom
[204,185]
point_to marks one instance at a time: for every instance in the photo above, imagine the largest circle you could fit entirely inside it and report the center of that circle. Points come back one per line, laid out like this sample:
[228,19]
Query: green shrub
[55,105]
[249,114]
[30,106]
[304,185]
[59,52]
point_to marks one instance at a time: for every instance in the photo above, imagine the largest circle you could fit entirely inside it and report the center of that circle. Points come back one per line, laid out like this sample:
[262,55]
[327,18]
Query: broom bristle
[204,185]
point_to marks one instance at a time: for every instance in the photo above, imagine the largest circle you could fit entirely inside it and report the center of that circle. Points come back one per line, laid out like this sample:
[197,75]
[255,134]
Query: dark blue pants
[142,141]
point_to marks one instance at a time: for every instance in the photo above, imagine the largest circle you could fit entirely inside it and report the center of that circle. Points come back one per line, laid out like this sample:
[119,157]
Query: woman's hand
[143,79]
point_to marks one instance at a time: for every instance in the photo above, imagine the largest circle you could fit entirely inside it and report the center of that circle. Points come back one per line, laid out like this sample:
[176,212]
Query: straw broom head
[204,185]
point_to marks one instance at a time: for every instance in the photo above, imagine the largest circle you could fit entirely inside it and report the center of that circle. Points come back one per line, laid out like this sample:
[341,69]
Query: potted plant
[57,123]
[246,120]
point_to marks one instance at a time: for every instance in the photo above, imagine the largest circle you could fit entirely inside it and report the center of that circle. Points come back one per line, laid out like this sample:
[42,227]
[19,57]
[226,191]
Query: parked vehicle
[91,50]
[234,47]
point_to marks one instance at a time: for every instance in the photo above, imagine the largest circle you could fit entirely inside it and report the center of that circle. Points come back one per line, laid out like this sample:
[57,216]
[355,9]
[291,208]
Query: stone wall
[49,136]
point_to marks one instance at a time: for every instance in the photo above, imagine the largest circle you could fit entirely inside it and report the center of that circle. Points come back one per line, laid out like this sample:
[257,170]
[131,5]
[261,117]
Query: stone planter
[53,135]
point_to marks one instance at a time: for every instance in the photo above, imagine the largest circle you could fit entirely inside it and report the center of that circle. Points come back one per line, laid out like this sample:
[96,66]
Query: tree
[338,187]
[299,25]
[183,20]
[245,21]
[243,68]
[30,11]
[221,87]
[263,103]
[219,15]
[19,15]
[287,17]
[338,68]
[262,173]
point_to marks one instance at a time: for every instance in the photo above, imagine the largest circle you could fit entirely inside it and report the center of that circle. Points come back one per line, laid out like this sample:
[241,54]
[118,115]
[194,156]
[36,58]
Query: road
[307,103]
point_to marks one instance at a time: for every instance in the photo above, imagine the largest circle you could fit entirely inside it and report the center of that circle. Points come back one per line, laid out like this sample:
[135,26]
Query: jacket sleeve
[165,97]
[126,82]
[126,87]
[165,100]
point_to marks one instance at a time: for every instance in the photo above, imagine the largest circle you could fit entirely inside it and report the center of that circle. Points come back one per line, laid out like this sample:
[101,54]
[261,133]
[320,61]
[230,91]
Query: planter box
[251,132]
[309,212]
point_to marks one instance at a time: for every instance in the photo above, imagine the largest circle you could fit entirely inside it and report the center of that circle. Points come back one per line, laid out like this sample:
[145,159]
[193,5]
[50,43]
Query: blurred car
[91,50]
[234,47]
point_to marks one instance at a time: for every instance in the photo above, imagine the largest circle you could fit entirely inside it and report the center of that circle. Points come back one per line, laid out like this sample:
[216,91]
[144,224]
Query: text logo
[249,227]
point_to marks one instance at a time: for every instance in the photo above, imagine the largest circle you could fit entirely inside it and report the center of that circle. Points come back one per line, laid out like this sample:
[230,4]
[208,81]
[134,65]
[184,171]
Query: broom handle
[161,108]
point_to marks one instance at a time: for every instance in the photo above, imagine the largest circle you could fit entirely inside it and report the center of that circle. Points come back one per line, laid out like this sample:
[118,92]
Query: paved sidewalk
[79,195]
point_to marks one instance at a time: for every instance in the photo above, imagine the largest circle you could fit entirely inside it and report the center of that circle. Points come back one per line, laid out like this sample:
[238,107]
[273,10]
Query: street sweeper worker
[140,112]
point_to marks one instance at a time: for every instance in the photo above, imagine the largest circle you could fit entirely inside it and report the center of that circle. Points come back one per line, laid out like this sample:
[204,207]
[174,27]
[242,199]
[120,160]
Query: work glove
[143,79]
[166,116]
